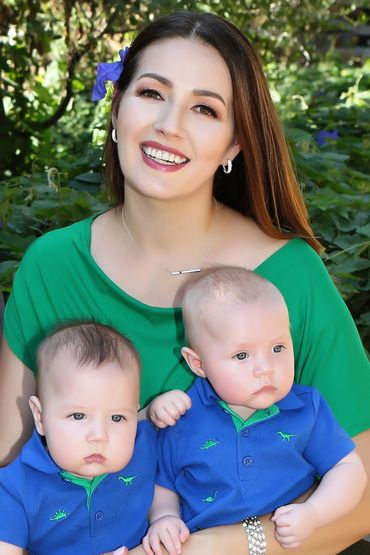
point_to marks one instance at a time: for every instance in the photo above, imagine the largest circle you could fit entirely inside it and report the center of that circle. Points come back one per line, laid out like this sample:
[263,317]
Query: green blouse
[59,280]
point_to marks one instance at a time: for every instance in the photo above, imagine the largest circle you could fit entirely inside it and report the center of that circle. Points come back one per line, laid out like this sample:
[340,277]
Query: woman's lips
[161,165]
[165,148]
[162,157]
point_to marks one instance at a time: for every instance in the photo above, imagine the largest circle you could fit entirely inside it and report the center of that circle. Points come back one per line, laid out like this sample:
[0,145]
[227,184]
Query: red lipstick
[162,165]
[159,146]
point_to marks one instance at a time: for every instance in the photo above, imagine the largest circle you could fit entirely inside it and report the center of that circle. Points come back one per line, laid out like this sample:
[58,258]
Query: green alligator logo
[210,443]
[210,498]
[127,480]
[60,514]
[285,437]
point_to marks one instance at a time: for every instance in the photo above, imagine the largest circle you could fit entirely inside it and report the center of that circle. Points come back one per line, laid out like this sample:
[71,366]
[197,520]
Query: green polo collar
[88,485]
[258,416]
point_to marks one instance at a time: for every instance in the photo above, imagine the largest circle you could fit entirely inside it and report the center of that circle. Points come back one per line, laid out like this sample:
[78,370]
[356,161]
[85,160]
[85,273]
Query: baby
[252,442]
[84,482]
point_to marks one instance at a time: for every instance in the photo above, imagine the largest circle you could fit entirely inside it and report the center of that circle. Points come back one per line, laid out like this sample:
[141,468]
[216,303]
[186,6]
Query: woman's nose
[170,120]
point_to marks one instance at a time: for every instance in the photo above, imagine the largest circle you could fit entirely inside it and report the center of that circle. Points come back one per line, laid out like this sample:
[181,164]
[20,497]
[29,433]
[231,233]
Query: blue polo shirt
[225,469]
[48,512]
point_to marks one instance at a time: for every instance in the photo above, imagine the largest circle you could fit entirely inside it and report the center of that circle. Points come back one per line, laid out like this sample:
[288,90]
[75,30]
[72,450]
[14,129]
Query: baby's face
[247,354]
[89,415]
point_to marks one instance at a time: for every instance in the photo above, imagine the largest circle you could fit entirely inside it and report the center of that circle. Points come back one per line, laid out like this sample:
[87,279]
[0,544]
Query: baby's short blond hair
[220,285]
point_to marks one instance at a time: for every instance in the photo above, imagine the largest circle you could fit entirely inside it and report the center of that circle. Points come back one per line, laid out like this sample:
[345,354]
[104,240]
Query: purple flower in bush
[323,136]
[107,72]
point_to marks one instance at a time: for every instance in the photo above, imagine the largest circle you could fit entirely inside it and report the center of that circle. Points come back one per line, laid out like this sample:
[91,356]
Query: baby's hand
[170,531]
[168,407]
[294,523]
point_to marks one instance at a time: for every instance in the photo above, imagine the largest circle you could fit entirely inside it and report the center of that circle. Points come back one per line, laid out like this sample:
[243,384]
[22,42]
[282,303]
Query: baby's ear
[194,361]
[36,409]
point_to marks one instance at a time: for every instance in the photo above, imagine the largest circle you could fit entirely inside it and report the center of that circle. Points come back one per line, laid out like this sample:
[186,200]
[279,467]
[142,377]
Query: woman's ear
[193,360]
[36,409]
[233,151]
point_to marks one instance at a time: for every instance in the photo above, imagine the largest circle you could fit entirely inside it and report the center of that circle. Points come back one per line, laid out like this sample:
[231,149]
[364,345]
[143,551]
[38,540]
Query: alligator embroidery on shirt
[60,514]
[209,443]
[210,498]
[127,480]
[285,437]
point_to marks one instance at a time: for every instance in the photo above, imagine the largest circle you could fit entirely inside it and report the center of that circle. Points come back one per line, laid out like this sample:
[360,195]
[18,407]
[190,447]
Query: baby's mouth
[95,458]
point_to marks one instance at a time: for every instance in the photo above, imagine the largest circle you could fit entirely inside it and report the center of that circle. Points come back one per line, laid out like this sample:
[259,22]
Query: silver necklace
[174,272]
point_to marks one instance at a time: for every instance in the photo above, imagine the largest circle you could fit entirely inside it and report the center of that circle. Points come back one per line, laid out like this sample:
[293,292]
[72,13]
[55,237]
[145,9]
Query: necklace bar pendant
[190,271]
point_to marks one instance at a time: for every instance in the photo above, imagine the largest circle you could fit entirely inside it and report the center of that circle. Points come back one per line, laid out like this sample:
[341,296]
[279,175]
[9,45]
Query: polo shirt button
[247,461]
[99,515]
[245,432]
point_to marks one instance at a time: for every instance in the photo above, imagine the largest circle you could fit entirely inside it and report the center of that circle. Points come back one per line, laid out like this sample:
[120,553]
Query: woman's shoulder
[59,242]
[248,245]
[294,259]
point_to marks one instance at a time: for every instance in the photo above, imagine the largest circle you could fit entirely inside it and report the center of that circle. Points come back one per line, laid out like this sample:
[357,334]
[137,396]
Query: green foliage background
[51,134]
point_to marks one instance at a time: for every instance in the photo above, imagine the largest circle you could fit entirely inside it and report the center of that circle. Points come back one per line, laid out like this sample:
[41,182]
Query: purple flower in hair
[107,72]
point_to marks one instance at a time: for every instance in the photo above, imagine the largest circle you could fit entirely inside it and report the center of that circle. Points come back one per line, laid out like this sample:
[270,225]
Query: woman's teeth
[163,157]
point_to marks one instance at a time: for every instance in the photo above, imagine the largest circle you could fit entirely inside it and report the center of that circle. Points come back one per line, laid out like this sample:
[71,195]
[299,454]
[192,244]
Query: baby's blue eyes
[244,355]
[82,416]
[118,418]
[78,416]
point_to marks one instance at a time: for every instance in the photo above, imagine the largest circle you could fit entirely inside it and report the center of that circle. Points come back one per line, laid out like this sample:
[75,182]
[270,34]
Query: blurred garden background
[316,54]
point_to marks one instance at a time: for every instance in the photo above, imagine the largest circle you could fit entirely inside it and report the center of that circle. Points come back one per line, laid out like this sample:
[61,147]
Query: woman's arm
[327,540]
[8,549]
[17,384]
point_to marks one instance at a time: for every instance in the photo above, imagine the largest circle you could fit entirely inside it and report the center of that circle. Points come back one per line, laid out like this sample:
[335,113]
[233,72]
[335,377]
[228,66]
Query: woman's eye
[150,93]
[117,418]
[206,110]
[78,416]
[241,356]
[278,348]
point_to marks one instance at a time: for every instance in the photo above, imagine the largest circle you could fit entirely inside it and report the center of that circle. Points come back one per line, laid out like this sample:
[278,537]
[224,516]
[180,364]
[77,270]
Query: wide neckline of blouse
[160,309]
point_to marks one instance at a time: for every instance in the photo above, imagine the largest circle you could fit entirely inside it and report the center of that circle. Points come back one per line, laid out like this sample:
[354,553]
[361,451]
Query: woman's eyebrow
[158,77]
[168,83]
[203,92]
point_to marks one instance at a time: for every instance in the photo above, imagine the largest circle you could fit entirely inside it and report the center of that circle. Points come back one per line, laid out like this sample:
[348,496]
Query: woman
[200,174]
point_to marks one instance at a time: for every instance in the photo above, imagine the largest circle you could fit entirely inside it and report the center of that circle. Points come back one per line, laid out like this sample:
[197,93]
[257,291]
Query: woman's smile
[163,158]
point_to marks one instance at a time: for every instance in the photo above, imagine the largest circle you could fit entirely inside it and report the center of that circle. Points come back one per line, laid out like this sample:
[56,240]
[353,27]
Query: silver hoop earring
[228,167]
[114,135]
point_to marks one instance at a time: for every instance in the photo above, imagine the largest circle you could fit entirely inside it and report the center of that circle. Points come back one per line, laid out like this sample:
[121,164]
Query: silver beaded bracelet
[256,535]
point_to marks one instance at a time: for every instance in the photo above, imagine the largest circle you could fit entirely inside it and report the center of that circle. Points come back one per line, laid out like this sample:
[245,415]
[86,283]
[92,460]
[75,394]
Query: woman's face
[175,122]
